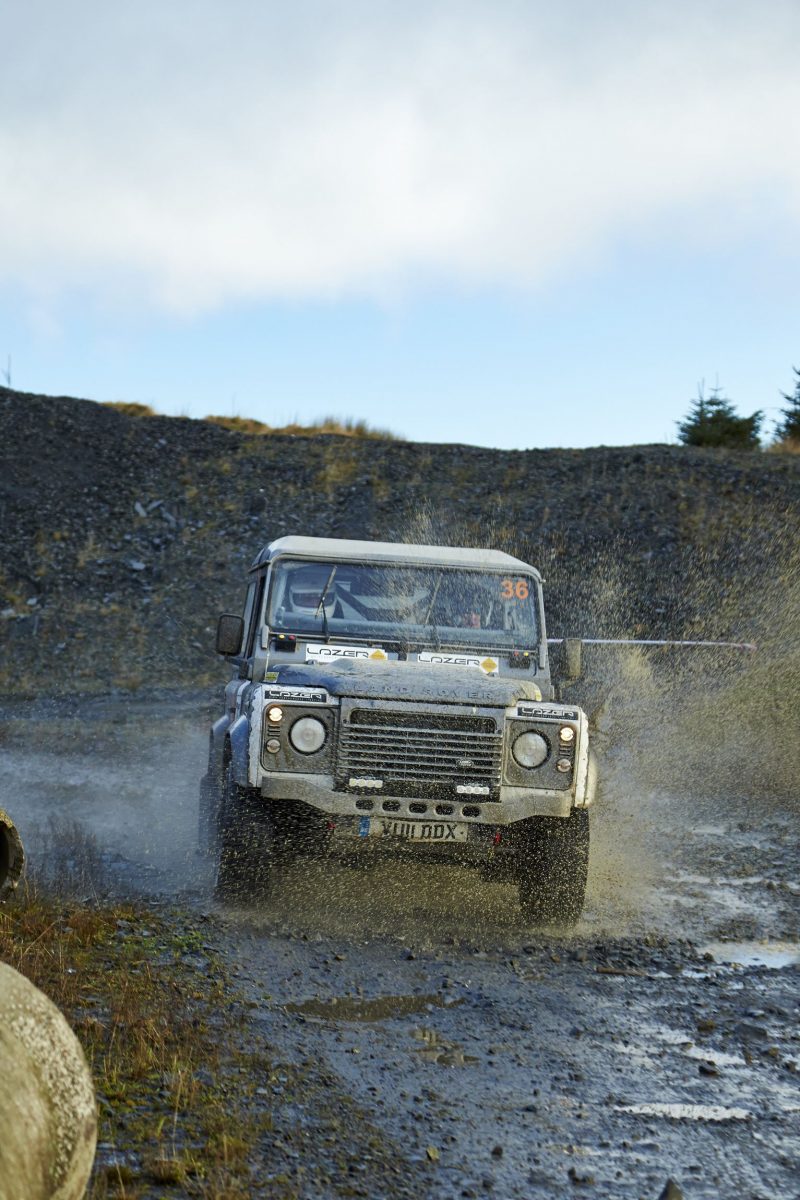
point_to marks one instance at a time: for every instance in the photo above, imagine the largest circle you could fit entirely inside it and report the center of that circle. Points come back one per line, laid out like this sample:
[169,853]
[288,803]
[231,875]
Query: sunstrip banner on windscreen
[325,653]
[488,665]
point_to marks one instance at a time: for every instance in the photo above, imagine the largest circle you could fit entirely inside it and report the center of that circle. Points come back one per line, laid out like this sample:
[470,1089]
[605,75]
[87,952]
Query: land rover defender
[393,700]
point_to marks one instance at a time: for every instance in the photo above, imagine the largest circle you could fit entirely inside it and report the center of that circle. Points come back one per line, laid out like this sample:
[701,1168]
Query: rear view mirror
[230,630]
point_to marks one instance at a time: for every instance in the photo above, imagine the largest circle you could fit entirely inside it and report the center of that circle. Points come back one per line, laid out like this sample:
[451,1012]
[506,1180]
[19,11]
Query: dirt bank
[124,536]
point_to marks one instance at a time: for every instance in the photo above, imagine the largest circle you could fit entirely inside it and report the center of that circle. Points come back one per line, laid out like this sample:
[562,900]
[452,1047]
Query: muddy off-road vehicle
[395,700]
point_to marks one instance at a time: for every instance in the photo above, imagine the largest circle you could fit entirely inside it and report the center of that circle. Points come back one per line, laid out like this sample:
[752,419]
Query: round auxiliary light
[566,734]
[563,765]
[273,745]
[274,714]
[530,750]
[308,735]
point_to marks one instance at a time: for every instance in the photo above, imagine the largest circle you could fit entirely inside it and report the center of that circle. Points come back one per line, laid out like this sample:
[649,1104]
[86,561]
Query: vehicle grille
[429,749]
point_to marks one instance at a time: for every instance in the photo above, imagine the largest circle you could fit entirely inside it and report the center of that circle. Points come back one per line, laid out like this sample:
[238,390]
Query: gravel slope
[124,536]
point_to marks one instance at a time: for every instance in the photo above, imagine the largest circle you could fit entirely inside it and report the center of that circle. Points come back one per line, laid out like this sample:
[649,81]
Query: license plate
[412,831]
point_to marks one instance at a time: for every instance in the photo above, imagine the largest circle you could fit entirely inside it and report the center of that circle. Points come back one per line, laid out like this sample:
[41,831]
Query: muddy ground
[441,1047]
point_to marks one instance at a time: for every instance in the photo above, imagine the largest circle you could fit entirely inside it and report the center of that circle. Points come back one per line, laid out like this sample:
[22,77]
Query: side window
[255,599]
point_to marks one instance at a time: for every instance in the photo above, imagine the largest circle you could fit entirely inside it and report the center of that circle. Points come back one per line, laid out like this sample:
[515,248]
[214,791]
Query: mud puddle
[380,1008]
[438,1049]
[774,955]
[687,1112]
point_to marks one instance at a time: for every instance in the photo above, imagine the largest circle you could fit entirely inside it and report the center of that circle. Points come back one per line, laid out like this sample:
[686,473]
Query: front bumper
[515,803]
[307,831]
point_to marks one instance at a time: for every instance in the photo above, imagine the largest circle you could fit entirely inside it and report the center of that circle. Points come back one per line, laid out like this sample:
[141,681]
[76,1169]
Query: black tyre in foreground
[246,844]
[553,870]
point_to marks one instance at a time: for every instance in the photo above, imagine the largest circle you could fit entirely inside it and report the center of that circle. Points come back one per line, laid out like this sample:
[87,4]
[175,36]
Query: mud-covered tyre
[553,870]
[246,851]
[12,856]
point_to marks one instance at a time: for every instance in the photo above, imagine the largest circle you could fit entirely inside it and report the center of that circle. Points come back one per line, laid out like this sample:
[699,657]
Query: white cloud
[197,152]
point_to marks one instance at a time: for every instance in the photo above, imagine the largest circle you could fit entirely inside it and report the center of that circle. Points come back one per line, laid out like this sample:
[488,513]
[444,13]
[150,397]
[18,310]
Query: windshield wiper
[321,604]
[428,622]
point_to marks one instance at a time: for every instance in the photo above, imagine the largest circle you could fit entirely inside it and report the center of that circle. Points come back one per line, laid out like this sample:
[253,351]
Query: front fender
[586,774]
[238,741]
[216,745]
[590,786]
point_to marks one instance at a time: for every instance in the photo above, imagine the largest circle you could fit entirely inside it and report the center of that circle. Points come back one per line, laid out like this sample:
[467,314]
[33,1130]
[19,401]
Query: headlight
[530,750]
[308,735]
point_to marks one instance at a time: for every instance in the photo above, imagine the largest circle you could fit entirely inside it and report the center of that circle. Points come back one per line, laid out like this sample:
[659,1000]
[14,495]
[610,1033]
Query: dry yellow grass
[336,426]
[150,1026]
[130,409]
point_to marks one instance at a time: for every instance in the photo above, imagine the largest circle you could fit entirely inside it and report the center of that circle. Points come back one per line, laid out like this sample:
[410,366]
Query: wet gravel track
[531,1067]
[491,1059]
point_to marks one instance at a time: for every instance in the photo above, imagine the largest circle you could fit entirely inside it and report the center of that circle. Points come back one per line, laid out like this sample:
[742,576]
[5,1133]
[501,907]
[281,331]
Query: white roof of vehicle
[402,552]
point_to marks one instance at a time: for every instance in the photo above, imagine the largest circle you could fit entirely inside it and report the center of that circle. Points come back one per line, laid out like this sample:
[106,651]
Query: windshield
[432,605]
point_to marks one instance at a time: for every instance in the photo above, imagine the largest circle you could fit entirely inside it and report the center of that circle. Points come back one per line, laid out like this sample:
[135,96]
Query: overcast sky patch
[198,154]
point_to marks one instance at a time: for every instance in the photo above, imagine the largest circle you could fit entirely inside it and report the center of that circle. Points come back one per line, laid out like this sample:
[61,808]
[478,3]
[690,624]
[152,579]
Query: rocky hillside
[123,536]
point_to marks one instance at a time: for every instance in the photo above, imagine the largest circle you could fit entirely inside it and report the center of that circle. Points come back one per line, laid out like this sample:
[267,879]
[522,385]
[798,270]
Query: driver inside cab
[311,592]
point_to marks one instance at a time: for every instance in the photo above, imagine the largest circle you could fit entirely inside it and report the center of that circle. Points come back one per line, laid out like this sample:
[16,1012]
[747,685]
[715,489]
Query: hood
[411,681]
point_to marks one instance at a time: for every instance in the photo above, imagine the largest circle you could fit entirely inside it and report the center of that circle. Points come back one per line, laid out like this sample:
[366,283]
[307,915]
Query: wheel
[245,844]
[12,856]
[553,869]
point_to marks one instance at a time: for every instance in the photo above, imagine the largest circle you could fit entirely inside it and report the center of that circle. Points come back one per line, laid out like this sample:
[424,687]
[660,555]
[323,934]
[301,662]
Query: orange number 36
[514,589]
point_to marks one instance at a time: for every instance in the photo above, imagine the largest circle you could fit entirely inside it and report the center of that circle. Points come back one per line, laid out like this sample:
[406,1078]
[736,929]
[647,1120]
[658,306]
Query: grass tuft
[333,426]
[785,446]
[130,408]
[328,425]
[150,1005]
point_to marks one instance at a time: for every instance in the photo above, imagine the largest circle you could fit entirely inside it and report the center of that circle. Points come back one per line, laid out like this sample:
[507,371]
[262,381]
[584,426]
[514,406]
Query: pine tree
[713,422]
[788,430]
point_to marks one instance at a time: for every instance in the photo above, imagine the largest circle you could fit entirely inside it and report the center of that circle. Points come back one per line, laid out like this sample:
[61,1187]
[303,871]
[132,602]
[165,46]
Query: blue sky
[464,222]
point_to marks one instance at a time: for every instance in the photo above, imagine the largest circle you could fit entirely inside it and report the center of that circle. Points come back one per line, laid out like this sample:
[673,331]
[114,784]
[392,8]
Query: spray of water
[109,802]
[687,741]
